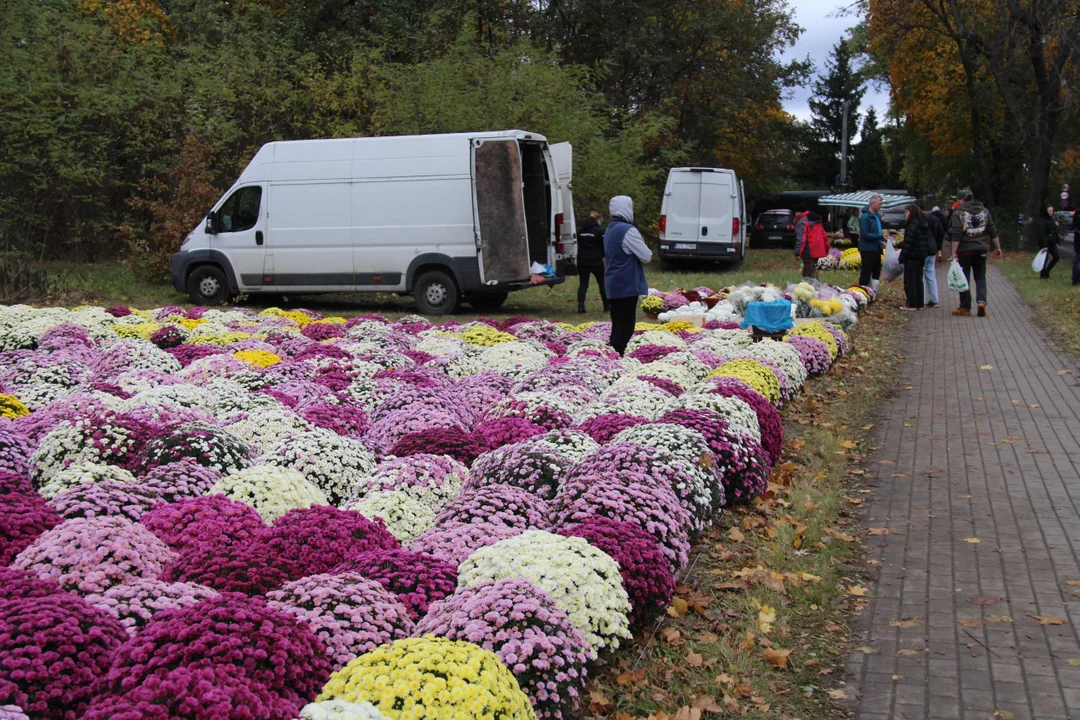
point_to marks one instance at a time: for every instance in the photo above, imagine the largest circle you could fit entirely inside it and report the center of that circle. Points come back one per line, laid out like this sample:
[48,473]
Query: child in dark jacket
[913,254]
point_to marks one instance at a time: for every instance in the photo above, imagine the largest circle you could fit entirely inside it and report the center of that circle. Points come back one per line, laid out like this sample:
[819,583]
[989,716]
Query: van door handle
[704,231]
[258,237]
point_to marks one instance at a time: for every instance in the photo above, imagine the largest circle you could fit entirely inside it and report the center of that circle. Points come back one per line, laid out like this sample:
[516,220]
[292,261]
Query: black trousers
[623,319]
[871,266]
[913,282]
[584,271]
[974,265]
[1051,261]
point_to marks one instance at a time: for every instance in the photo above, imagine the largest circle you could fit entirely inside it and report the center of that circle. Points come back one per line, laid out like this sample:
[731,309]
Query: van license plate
[685,246]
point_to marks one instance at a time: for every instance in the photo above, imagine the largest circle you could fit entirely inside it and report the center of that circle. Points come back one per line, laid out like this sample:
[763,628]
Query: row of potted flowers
[229,514]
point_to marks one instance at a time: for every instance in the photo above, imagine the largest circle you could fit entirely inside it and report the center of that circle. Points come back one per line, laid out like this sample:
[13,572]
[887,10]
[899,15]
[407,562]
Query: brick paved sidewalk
[978,486]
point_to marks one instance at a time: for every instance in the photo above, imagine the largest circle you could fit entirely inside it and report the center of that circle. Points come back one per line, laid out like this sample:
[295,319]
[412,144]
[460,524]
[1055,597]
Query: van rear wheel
[486,301]
[207,285]
[436,293]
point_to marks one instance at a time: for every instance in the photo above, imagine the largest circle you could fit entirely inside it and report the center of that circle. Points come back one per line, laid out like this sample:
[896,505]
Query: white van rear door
[499,211]
[562,154]
[718,202]
[684,208]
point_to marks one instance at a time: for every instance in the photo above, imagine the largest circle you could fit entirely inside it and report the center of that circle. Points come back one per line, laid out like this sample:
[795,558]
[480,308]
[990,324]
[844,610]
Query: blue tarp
[768,316]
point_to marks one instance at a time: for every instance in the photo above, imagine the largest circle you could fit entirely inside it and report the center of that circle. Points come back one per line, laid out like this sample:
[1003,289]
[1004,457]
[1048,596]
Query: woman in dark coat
[1046,229]
[913,254]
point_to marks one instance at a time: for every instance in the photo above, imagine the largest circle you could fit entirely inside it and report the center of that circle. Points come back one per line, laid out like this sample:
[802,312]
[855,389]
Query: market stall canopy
[862,199]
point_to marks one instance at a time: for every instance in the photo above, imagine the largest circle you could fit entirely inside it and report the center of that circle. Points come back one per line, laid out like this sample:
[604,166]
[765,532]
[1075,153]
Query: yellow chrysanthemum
[850,259]
[11,408]
[142,331]
[584,326]
[652,304]
[260,358]
[818,332]
[191,323]
[222,339]
[431,678]
[754,374]
[676,326]
[644,326]
[485,336]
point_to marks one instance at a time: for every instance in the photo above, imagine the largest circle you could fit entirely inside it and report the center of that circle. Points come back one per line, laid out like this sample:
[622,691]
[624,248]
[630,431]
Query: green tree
[839,82]
[869,164]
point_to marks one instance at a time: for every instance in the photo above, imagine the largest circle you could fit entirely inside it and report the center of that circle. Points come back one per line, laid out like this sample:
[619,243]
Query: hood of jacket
[622,206]
[972,206]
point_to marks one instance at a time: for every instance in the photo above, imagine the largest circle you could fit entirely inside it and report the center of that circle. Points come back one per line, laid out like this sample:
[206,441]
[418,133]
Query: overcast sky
[820,33]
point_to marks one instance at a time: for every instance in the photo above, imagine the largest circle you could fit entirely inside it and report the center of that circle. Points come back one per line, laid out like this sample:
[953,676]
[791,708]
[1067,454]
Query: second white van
[465,216]
[702,216]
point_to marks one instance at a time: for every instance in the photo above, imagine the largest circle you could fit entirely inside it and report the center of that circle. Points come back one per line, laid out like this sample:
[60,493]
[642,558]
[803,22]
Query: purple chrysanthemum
[415,578]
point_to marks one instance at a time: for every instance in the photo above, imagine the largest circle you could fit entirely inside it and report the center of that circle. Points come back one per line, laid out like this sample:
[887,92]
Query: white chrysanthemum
[185,396]
[629,396]
[263,427]
[724,343]
[439,345]
[340,710]
[232,397]
[37,395]
[367,394]
[582,580]
[688,446]
[741,417]
[515,358]
[675,373]
[432,480]
[335,464]
[84,472]
[406,517]
[655,337]
[270,489]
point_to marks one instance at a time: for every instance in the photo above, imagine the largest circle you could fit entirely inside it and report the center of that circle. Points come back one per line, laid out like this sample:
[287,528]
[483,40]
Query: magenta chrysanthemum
[769,420]
[417,579]
[345,420]
[180,480]
[53,650]
[604,427]
[204,521]
[23,517]
[454,543]
[495,433]
[537,470]
[135,602]
[452,441]
[499,503]
[313,540]
[243,636]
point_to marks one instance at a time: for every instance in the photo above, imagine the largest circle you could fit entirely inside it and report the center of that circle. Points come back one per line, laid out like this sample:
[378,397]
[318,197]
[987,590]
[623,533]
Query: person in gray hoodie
[972,232]
[624,277]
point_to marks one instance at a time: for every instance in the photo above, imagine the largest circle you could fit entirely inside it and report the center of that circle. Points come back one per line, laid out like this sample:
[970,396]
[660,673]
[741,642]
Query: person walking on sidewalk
[1047,232]
[936,223]
[624,276]
[913,255]
[590,248]
[972,233]
[871,243]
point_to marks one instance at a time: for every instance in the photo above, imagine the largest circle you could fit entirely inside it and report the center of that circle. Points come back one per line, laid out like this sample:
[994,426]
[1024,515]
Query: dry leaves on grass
[777,658]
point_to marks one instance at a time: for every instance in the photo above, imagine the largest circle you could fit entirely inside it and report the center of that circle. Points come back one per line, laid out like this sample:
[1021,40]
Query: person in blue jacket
[624,276]
[871,243]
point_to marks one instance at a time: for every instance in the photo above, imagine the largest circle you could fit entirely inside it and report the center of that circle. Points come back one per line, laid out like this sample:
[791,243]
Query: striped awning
[862,199]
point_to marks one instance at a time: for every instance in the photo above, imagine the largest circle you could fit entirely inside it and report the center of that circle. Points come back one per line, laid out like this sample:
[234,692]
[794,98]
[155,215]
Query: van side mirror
[211,223]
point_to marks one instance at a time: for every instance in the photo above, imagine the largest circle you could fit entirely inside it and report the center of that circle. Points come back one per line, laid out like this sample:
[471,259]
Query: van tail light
[559,247]
[759,227]
[734,227]
[663,225]
[790,227]
[558,221]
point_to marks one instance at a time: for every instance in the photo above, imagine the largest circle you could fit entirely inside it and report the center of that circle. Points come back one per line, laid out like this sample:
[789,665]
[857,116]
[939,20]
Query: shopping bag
[1039,262]
[957,279]
[891,267]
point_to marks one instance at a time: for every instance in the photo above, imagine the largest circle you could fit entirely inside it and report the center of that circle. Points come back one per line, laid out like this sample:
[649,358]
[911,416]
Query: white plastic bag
[891,268]
[957,279]
[1039,262]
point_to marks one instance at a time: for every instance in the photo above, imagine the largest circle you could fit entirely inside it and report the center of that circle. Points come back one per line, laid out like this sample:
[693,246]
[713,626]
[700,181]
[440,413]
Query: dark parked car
[893,219]
[774,228]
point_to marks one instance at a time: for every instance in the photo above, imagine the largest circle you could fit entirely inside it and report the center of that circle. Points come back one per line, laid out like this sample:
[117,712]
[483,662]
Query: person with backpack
[936,222]
[913,255]
[1046,229]
[624,276]
[851,230]
[811,242]
[972,233]
[871,243]
[590,257]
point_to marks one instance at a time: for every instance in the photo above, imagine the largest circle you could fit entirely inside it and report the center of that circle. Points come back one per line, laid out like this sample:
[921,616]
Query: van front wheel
[207,285]
[486,301]
[435,293]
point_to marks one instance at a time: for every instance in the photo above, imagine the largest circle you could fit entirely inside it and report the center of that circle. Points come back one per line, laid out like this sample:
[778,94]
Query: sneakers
[961,312]
[982,309]
[932,305]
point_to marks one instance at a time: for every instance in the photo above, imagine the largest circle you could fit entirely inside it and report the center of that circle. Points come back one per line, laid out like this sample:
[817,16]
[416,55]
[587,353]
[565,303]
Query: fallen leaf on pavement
[999,618]
[973,541]
[972,623]
[904,623]
[879,531]
[1003,714]
[907,652]
[1062,372]
[866,650]
[857,591]
[838,695]
[1073,661]
[897,677]
[986,367]
[1048,619]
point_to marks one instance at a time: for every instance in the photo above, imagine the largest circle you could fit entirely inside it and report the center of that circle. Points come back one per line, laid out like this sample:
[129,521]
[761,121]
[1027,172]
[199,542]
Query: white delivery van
[702,216]
[443,217]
